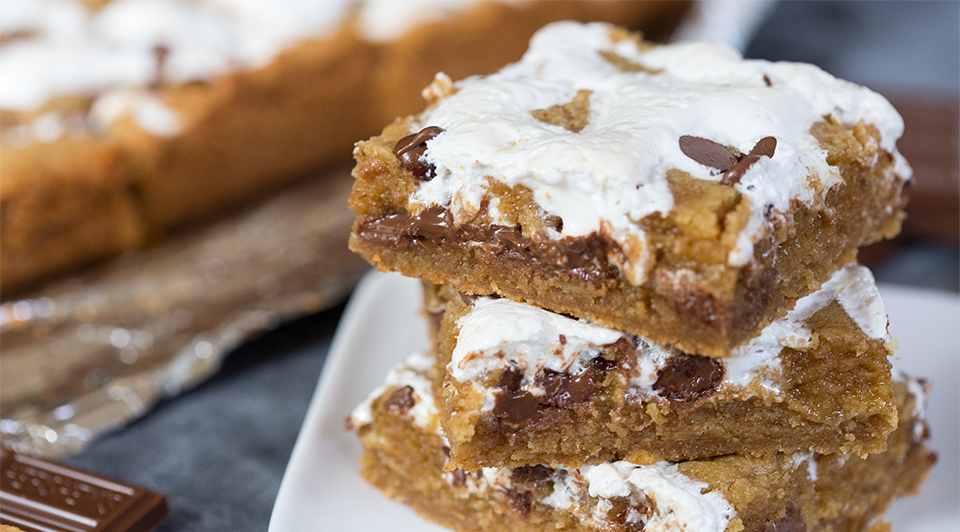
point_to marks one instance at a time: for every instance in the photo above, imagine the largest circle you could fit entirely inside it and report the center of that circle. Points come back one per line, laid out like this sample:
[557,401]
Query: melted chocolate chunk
[604,364]
[765,146]
[521,502]
[459,477]
[515,410]
[791,522]
[510,379]
[410,149]
[733,175]
[766,80]
[687,377]
[401,399]
[531,474]
[707,153]
[585,258]
[563,389]
[625,347]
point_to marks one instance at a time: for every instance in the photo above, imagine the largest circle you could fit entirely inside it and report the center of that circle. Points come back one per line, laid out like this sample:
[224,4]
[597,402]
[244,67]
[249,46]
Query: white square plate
[322,489]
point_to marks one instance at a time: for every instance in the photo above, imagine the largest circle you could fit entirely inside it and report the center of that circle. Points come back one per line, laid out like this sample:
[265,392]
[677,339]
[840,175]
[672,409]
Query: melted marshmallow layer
[497,334]
[612,173]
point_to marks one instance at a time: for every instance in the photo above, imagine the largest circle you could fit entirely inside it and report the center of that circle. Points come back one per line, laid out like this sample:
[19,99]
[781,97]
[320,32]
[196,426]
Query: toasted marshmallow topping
[612,173]
[497,334]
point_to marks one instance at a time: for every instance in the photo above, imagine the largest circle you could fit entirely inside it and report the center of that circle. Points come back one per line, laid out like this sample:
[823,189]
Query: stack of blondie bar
[647,315]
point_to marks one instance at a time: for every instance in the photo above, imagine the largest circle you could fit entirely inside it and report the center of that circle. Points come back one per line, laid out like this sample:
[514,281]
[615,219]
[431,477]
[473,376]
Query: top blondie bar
[677,192]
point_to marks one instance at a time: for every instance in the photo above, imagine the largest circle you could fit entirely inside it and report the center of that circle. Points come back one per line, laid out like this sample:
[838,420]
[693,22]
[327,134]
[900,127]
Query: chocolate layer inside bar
[583,258]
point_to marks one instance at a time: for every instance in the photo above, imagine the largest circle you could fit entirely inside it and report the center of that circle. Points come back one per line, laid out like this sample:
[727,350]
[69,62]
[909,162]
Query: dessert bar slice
[525,386]
[405,456]
[677,192]
[63,205]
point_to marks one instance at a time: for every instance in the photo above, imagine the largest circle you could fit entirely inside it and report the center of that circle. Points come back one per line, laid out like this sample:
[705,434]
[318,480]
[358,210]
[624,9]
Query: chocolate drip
[585,257]
[688,377]
[410,149]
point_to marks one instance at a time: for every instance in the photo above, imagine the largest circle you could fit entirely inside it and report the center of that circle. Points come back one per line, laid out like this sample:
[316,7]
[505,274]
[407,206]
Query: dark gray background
[218,452]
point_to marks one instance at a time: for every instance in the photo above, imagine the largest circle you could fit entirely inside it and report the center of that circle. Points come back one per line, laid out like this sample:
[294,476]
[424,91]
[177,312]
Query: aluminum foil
[92,353]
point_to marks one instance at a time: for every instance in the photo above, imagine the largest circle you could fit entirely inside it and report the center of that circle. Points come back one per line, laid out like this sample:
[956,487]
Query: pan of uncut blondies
[174,178]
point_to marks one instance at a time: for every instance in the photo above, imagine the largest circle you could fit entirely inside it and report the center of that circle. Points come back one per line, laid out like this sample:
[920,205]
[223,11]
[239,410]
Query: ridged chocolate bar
[43,496]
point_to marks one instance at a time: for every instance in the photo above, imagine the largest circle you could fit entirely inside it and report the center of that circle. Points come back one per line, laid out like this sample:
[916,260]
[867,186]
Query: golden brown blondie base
[835,395]
[692,298]
[63,205]
[799,491]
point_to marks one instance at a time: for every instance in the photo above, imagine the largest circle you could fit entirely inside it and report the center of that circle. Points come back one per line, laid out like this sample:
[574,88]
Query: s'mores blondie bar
[521,385]
[676,192]
[405,455]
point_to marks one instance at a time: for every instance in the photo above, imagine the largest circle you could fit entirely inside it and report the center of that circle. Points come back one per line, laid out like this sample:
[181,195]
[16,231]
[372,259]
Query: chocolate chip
[410,150]
[401,399]
[707,152]
[563,389]
[766,79]
[468,299]
[733,175]
[687,377]
[531,474]
[521,502]
[515,410]
[791,522]
[765,146]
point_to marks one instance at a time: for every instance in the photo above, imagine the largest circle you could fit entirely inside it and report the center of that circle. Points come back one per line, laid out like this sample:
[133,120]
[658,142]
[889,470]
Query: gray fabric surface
[219,451]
